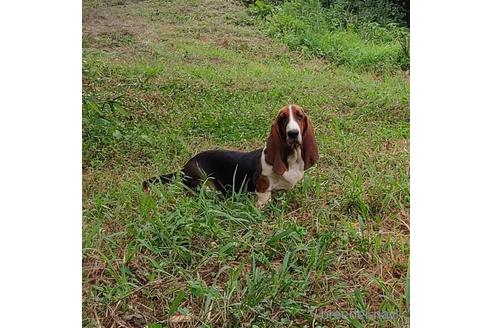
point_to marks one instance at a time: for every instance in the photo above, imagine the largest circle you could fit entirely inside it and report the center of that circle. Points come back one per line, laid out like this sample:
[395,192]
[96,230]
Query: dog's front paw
[263,198]
[260,205]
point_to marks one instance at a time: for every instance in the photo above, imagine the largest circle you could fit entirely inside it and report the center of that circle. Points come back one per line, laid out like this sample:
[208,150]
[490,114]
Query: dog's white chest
[290,177]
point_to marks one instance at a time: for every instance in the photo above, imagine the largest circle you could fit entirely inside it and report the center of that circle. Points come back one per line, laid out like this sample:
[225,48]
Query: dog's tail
[165,178]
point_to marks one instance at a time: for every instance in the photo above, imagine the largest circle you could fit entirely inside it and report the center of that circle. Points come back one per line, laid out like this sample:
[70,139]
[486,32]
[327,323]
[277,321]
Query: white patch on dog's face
[293,130]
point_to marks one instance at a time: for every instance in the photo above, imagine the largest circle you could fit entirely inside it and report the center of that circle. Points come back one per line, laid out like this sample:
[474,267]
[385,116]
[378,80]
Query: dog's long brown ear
[309,148]
[275,150]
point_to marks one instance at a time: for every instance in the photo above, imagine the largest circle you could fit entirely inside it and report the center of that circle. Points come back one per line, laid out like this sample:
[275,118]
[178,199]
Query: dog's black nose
[293,134]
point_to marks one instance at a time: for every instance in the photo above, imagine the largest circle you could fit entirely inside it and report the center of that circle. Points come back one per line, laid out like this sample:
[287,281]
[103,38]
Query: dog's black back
[226,169]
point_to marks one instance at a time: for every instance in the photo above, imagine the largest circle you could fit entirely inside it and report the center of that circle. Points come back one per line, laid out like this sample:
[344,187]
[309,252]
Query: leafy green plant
[261,8]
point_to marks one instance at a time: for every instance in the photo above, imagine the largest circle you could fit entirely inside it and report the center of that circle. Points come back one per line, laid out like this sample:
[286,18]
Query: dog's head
[292,128]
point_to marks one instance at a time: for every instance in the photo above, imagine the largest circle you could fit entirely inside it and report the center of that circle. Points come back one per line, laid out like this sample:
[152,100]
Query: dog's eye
[299,115]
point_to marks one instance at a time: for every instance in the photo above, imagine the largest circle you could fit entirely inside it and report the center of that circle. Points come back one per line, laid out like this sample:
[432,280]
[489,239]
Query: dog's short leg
[263,198]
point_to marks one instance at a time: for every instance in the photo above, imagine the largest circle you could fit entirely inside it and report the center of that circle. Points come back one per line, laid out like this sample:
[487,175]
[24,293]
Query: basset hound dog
[290,150]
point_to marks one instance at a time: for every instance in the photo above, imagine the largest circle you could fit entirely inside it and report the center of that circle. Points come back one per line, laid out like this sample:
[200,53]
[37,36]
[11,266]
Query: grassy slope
[338,35]
[164,80]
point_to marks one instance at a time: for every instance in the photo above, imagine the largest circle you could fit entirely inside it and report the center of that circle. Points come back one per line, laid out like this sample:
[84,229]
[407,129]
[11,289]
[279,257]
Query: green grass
[163,80]
[337,34]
